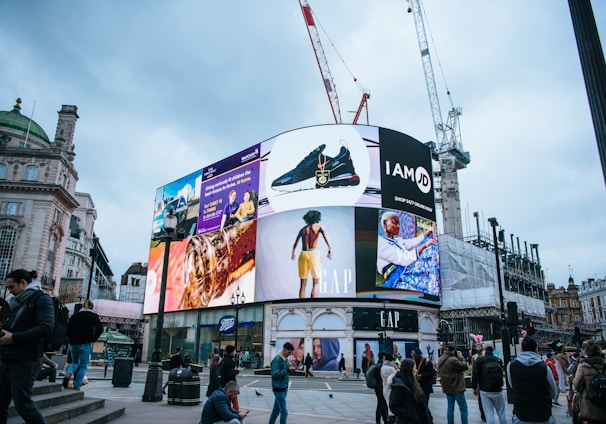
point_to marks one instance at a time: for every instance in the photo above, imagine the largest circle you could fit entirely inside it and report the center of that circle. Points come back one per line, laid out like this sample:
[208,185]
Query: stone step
[59,405]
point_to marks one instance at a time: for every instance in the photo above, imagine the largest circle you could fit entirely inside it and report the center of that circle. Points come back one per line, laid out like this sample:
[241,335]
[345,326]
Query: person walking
[407,399]
[83,328]
[551,365]
[388,369]
[425,375]
[279,383]
[342,368]
[532,386]
[218,408]
[479,351]
[308,363]
[487,383]
[137,358]
[382,411]
[213,376]
[22,344]
[229,371]
[451,367]
[590,412]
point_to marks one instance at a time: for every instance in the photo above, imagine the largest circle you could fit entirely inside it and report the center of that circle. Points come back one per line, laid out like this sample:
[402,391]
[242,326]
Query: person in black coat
[229,371]
[407,399]
[213,376]
[31,320]
[426,374]
[83,328]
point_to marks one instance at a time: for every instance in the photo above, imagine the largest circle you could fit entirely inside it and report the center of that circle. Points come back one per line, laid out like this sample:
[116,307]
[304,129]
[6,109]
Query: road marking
[328,386]
[252,382]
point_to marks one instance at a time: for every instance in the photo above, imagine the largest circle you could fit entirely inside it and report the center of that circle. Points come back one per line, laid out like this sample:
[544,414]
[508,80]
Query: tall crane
[329,83]
[448,148]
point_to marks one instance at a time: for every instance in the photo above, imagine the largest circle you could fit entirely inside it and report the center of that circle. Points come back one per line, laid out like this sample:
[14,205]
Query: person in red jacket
[551,365]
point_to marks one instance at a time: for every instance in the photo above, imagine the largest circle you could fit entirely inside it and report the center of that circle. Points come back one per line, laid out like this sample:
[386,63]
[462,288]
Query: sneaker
[318,170]
[65,383]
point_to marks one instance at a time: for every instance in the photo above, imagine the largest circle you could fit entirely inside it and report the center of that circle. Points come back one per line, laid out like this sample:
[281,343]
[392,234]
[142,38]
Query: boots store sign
[386,319]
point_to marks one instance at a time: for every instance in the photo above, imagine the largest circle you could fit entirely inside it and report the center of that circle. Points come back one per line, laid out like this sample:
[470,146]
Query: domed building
[41,214]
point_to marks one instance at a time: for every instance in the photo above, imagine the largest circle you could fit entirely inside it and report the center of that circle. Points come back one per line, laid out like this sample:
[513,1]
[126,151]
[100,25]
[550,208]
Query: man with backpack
[31,320]
[487,381]
[83,328]
[533,386]
[590,383]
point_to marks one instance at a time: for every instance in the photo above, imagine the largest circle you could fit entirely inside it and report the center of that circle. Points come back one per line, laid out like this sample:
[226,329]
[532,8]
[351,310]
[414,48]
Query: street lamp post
[153,382]
[504,331]
[237,301]
[93,257]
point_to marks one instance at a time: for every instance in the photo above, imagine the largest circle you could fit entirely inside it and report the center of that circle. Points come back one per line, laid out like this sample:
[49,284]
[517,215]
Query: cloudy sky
[165,88]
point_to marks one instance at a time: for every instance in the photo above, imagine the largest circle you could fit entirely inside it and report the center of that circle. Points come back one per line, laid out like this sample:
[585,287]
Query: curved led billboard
[331,211]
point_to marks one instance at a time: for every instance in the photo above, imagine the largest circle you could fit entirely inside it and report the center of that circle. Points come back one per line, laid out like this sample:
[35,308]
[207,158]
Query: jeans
[16,382]
[279,408]
[494,400]
[80,359]
[460,399]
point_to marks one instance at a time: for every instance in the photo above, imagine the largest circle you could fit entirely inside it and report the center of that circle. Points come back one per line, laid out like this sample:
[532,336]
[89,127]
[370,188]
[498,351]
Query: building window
[11,208]
[50,257]
[8,238]
[64,181]
[24,145]
[70,273]
[2,171]
[31,173]
[563,303]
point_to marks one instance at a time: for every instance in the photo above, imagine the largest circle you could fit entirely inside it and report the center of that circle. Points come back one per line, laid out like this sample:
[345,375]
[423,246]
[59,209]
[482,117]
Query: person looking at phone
[451,367]
[218,408]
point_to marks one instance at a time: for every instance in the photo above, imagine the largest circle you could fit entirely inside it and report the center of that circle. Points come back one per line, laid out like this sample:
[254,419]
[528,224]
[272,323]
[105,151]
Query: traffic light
[388,345]
[529,327]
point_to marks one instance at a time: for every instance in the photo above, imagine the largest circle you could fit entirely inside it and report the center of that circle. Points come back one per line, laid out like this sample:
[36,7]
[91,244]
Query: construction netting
[469,279]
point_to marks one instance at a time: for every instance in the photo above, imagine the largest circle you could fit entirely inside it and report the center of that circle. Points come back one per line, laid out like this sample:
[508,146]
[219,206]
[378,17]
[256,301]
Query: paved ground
[305,406]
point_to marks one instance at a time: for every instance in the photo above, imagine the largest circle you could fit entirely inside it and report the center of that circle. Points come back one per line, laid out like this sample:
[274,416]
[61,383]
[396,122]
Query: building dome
[14,120]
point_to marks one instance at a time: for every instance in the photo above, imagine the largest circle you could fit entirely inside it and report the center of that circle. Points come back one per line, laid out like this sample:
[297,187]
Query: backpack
[373,377]
[597,387]
[492,375]
[59,335]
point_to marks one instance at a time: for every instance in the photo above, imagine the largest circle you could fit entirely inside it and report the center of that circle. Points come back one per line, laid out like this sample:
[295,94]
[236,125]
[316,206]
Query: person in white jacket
[388,370]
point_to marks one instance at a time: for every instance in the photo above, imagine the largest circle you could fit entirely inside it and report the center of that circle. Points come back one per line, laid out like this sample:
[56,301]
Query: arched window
[2,171]
[31,173]
[8,239]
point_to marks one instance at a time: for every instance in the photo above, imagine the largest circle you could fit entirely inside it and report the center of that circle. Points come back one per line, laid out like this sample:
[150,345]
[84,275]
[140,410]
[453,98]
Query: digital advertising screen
[230,191]
[183,197]
[293,254]
[329,211]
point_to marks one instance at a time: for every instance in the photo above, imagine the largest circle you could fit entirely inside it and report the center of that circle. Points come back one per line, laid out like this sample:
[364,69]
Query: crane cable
[360,87]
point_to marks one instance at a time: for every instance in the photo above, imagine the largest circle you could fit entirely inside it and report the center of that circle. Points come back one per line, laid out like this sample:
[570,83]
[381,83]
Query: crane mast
[448,149]
[329,83]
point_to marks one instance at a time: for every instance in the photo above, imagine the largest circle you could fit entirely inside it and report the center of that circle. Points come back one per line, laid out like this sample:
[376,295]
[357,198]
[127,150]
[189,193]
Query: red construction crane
[329,84]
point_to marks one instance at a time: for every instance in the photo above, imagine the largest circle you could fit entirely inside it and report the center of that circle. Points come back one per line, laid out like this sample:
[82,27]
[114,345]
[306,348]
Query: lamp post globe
[153,382]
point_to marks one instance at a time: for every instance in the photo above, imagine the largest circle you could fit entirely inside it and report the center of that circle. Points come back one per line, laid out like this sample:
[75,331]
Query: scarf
[22,298]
